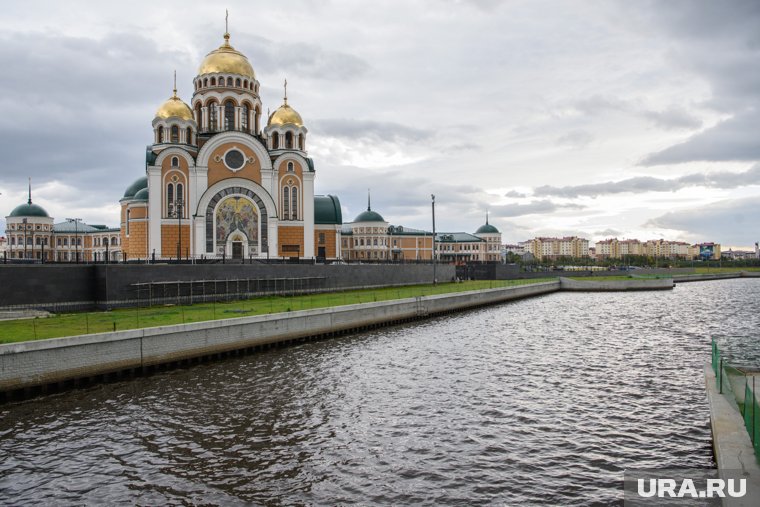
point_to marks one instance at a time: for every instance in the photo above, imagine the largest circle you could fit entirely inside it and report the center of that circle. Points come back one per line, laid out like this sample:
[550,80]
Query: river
[543,401]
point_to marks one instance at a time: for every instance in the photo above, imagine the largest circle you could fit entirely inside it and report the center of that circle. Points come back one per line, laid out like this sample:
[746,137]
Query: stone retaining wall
[35,363]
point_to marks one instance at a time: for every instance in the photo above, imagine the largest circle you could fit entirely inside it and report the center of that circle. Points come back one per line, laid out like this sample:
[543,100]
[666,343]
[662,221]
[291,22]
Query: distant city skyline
[595,119]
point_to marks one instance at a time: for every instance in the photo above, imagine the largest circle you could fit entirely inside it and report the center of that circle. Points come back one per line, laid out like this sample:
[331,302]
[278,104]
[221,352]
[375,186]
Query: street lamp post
[76,236]
[176,211]
[432,197]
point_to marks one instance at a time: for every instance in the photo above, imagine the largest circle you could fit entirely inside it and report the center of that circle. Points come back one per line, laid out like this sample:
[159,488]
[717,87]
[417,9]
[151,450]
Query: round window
[234,159]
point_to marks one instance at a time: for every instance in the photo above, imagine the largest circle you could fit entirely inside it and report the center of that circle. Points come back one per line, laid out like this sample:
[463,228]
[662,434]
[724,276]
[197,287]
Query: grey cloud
[310,60]
[88,102]
[515,194]
[532,208]
[609,233]
[59,72]
[369,130]
[675,117]
[732,139]
[400,197]
[641,184]
[728,222]
[576,139]
[721,42]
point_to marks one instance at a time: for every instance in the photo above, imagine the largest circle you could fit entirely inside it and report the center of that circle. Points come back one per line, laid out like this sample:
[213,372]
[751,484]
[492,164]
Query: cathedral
[218,183]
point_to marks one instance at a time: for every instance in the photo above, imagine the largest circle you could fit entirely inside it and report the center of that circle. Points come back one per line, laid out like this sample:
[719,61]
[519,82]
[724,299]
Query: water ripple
[544,401]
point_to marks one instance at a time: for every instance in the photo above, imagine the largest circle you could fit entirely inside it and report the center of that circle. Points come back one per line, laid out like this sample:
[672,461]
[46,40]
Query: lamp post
[76,236]
[432,197]
[176,211]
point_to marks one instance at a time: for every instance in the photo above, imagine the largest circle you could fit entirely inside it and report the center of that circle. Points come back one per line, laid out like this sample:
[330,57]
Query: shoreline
[36,367]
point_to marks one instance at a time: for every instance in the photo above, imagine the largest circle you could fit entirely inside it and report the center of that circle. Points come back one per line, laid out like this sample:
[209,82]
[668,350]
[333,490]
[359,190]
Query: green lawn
[72,324]
[617,277]
[723,270]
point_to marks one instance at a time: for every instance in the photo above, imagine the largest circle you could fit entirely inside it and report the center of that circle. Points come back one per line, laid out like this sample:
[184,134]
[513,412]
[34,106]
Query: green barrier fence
[752,414]
[750,409]
[717,366]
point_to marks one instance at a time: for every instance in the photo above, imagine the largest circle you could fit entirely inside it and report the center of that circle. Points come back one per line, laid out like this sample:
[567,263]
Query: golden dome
[174,107]
[226,60]
[285,115]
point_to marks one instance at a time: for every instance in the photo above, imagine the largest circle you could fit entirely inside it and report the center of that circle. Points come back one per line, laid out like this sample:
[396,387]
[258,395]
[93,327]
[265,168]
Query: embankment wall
[45,362]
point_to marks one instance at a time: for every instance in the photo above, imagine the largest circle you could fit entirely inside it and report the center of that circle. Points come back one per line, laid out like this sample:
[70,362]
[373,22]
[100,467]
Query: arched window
[229,115]
[289,140]
[205,82]
[213,116]
[237,82]
[198,113]
[245,83]
[275,141]
[257,88]
[160,134]
[213,81]
[256,115]
[229,81]
[181,200]
[290,167]
[244,118]
[175,161]
[188,136]
[169,198]
[175,134]
[294,200]
[285,203]
[105,241]
[129,212]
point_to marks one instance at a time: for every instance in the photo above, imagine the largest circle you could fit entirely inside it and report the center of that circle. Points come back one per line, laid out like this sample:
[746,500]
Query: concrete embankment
[731,443]
[703,277]
[592,285]
[52,362]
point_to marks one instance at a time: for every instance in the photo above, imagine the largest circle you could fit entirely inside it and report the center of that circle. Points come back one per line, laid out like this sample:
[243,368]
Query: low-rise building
[371,238]
[544,248]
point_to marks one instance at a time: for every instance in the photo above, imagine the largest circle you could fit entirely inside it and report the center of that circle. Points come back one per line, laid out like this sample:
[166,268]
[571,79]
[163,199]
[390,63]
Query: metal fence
[749,407]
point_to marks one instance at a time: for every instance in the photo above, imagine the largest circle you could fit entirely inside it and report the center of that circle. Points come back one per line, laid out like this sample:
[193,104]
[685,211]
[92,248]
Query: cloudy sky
[594,118]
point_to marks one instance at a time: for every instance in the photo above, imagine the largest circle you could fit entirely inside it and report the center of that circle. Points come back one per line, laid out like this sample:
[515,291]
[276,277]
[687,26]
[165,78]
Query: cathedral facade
[219,183]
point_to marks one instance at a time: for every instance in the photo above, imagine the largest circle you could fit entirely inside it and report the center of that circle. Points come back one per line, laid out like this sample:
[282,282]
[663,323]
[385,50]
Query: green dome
[136,187]
[369,216]
[29,210]
[487,229]
[142,195]
[327,210]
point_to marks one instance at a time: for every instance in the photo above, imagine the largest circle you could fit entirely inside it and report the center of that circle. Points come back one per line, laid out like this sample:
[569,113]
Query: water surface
[543,401]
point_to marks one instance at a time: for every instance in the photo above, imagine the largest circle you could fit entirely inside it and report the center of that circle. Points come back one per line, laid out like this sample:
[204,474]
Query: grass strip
[74,324]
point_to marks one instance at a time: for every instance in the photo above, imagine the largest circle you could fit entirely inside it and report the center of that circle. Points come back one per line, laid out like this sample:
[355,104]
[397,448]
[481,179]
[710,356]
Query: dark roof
[327,210]
[29,210]
[398,230]
[369,216]
[457,237]
[79,227]
[150,157]
[487,228]
[142,195]
[310,163]
[135,187]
